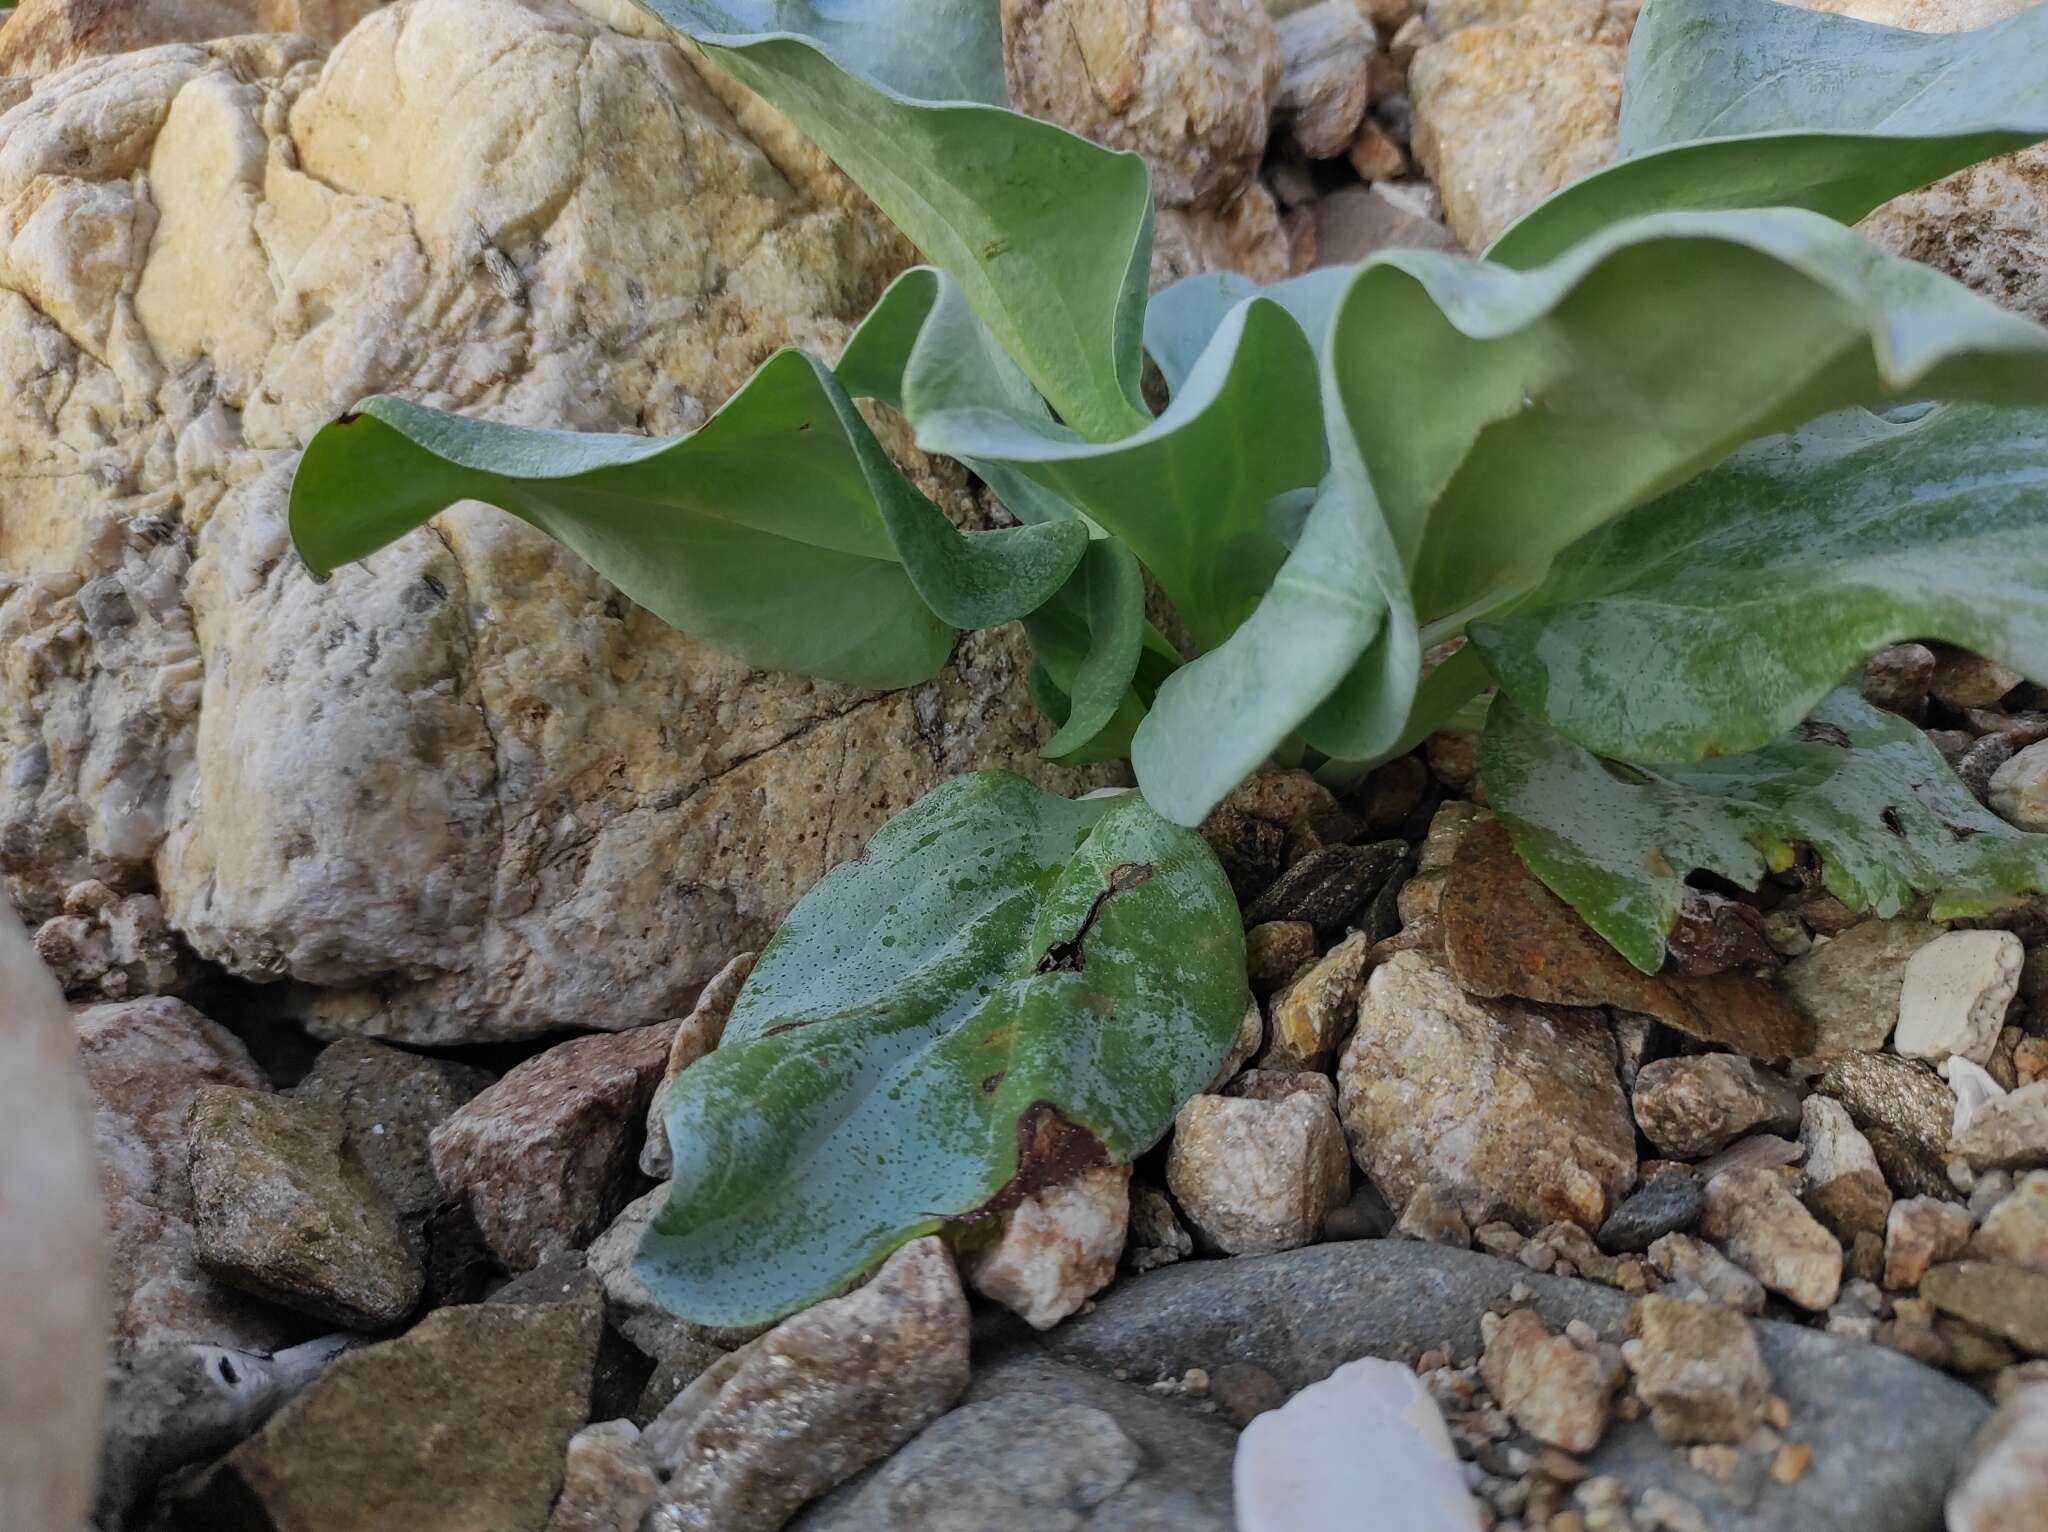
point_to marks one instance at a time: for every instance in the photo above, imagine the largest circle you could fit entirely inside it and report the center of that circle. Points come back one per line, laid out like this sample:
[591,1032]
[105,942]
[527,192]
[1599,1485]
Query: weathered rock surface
[1514,1107]
[1754,1216]
[2008,1132]
[43,36]
[1702,1103]
[1057,1248]
[1036,1443]
[283,1208]
[1921,1232]
[2009,1301]
[113,946]
[391,1101]
[455,788]
[1255,1175]
[145,1062]
[1845,1189]
[1508,111]
[817,1399]
[1694,1268]
[1885,1429]
[1316,1012]
[1557,1391]
[2016,1228]
[2003,1485]
[607,1483]
[1667,1202]
[1698,1368]
[1189,84]
[544,1157]
[1956,992]
[2019,788]
[1888,1094]
[1850,985]
[460,1423]
[1506,934]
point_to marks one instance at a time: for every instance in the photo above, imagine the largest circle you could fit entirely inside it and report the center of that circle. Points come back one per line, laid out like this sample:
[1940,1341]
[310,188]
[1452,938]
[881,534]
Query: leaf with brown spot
[1887,818]
[1008,988]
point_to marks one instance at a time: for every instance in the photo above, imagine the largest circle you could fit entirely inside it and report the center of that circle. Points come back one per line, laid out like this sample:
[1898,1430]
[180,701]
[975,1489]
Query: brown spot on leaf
[1817,733]
[1051,1151]
[1892,822]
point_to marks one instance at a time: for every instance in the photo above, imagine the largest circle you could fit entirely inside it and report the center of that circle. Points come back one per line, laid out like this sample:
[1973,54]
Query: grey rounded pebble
[1667,1203]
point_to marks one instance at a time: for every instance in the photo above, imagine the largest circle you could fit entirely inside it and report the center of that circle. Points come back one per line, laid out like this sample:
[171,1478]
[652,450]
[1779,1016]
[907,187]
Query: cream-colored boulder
[1514,99]
[1189,84]
[465,790]
[43,36]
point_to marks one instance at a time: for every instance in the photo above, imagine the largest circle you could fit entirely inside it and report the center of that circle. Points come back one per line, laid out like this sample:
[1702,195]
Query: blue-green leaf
[780,530]
[1049,235]
[1711,620]
[1753,103]
[1006,988]
[1888,817]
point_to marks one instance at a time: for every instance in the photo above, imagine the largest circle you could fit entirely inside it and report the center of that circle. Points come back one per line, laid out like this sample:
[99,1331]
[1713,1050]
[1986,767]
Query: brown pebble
[1777,1413]
[1245,1391]
[1561,1467]
[1790,1465]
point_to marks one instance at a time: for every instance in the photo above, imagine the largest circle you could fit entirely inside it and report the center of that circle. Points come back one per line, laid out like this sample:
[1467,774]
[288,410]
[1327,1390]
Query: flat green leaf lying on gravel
[1753,103]
[1006,988]
[1712,620]
[1887,816]
[780,530]
[1049,234]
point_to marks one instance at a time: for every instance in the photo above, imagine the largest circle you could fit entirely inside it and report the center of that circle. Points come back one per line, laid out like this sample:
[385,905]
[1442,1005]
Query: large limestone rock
[46,35]
[1189,84]
[1513,100]
[465,791]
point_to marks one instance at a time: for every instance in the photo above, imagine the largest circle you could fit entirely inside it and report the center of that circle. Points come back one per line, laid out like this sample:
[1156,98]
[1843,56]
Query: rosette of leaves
[1645,455]
[1352,466]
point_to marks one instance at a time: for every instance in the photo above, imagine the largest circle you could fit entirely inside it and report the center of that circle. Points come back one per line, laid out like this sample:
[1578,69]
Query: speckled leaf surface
[1049,235]
[779,530]
[1887,816]
[1753,103]
[1711,620]
[1006,987]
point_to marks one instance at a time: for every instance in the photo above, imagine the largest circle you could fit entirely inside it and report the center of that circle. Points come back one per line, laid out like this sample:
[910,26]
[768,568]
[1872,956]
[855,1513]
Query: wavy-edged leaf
[780,530]
[1089,636]
[1496,416]
[1049,234]
[1866,790]
[1190,493]
[1007,987]
[1711,620]
[1752,103]
[1506,414]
